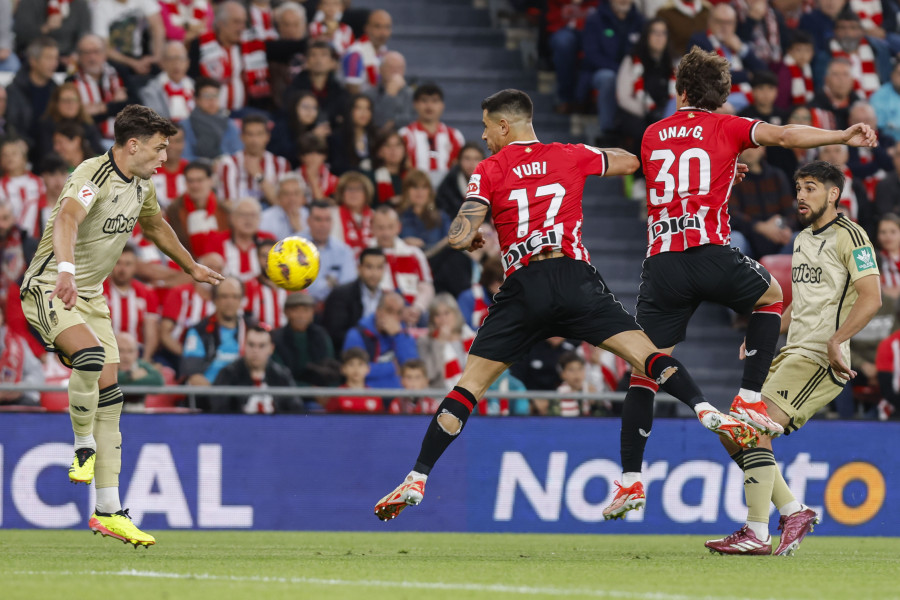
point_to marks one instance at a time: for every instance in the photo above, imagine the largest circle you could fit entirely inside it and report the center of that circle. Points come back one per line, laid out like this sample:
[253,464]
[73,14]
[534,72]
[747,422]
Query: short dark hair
[129,248]
[509,102]
[199,164]
[70,129]
[470,146]
[322,45]
[761,78]
[414,363]
[370,252]
[215,289]
[354,354]
[136,121]
[205,82]
[322,204]
[254,118]
[429,88]
[37,46]
[798,37]
[53,163]
[567,358]
[261,328]
[491,270]
[847,14]
[705,77]
[310,143]
[823,172]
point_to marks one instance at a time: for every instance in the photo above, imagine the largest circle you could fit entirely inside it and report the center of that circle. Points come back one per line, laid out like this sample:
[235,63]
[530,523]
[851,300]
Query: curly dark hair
[823,172]
[705,77]
[136,121]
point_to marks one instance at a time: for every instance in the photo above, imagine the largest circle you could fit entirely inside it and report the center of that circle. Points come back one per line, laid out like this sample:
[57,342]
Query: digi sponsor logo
[674,225]
[536,241]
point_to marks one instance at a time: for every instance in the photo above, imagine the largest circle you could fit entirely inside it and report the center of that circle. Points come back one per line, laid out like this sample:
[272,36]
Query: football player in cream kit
[62,296]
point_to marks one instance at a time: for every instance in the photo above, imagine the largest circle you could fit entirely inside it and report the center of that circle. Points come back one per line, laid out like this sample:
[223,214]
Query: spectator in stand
[565,23]
[392,98]
[475,301]
[445,346]
[238,246]
[9,62]
[20,187]
[216,340]
[390,162]
[99,85]
[302,346]
[66,107]
[790,11]
[886,362]
[353,215]
[320,78]
[787,160]
[414,376]
[327,26]
[185,20]
[407,270]
[573,376]
[683,19]
[722,39]
[505,385]
[350,302]
[287,52]
[762,28]
[355,367]
[209,132]
[30,90]
[185,306]
[262,23]
[337,264]
[65,22]
[537,370]
[18,365]
[422,224]
[431,145]
[609,34]
[763,210]
[888,243]
[452,191]
[855,202]
[351,143]
[6,128]
[54,173]
[820,21]
[17,248]
[256,368]
[795,76]
[133,370]
[228,55]
[168,181]
[762,107]
[197,212]
[117,22]
[871,165]
[363,58]
[262,298]
[133,306]
[886,102]
[70,141]
[320,182]
[253,171]
[838,94]
[869,57]
[384,338]
[287,216]
[303,118]
[887,193]
[171,93]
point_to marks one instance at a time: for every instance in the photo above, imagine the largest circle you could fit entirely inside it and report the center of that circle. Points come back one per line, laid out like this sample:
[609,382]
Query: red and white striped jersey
[243,264]
[186,308]
[94,91]
[169,184]
[890,271]
[341,39]
[24,193]
[887,358]
[534,191]
[690,160]
[130,307]
[434,154]
[236,183]
[262,25]
[406,267]
[265,302]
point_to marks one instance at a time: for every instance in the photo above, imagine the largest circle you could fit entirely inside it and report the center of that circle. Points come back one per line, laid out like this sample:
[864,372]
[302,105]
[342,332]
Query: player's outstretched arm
[804,136]
[65,233]
[621,162]
[464,234]
[865,307]
[158,231]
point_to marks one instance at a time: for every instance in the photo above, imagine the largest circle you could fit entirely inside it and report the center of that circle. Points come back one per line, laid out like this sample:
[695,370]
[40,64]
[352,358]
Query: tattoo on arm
[464,227]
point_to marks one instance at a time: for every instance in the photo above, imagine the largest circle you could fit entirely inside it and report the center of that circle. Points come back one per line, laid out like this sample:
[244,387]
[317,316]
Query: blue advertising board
[550,475]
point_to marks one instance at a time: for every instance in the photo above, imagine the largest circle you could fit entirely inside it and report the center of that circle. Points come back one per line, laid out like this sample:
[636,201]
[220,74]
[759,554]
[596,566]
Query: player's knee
[89,360]
[449,423]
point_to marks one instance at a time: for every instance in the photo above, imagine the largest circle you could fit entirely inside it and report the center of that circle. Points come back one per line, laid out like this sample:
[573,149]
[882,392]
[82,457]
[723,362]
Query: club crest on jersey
[537,240]
[674,225]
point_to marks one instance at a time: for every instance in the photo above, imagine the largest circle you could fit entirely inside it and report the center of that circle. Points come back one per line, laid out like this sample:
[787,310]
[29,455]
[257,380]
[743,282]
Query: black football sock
[673,378]
[637,420]
[763,330]
[459,403]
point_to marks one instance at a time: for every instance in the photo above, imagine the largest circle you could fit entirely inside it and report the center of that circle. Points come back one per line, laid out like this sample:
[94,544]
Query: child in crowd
[414,376]
[354,368]
[572,373]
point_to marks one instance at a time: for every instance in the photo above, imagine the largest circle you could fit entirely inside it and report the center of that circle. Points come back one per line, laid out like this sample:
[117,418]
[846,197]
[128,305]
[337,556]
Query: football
[293,263]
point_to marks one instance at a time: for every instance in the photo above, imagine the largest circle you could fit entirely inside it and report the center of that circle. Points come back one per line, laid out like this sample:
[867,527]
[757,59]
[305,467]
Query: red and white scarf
[866,156]
[639,87]
[240,263]
[736,65]
[169,184]
[384,185]
[802,90]
[58,7]
[766,39]
[890,271]
[849,202]
[12,360]
[200,221]
[261,23]
[452,367]
[689,9]
[327,180]
[865,75]
[479,306]
[341,39]
[869,12]
[180,97]
[24,193]
[243,69]
[93,91]
[185,307]
[185,13]
[357,233]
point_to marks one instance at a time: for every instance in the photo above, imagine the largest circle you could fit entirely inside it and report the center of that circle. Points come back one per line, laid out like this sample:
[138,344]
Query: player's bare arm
[865,307]
[464,234]
[158,231]
[65,233]
[621,162]
[803,136]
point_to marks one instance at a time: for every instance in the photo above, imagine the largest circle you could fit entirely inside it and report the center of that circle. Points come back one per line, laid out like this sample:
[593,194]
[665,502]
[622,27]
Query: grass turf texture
[191,565]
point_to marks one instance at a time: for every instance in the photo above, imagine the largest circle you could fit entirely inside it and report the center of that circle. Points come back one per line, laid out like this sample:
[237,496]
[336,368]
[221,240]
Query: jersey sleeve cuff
[605,163]
[753,133]
[478,199]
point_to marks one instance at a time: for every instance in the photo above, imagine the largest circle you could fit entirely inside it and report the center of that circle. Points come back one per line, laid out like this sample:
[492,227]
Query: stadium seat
[779,265]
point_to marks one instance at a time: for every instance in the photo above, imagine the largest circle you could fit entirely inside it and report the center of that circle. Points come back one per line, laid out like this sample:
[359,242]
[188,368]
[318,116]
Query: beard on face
[812,216]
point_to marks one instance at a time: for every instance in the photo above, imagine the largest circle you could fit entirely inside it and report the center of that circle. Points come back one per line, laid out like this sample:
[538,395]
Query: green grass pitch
[187,565]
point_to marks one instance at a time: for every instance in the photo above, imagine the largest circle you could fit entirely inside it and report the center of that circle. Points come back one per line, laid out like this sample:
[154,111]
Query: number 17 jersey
[690,160]
[534,192]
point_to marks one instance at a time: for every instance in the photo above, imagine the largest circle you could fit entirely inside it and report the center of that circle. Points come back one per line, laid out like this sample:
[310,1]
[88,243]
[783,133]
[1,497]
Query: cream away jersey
[825,264]
[113,204]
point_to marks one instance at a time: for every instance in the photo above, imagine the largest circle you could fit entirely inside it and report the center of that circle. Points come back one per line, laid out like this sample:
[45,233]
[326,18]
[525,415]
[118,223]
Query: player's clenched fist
[65,290]
[204,274]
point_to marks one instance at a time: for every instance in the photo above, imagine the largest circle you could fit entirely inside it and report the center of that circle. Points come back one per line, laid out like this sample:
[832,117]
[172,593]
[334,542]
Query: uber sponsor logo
[119,224]
[804,273]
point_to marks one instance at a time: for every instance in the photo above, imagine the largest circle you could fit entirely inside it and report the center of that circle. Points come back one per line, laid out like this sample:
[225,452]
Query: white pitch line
[498,588]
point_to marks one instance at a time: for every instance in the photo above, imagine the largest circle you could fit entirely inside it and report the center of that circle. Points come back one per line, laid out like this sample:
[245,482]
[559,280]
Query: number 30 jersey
[690,160]
[534,191]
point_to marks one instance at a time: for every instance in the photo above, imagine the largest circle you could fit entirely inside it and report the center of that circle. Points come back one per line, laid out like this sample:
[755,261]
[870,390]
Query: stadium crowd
[297,119]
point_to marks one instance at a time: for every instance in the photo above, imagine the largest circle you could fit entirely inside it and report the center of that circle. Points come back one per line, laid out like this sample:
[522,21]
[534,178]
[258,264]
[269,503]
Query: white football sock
[750,396]
[790,508]
[85,441]
[629,479]
[704,406]
[761,530]
[108,500]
